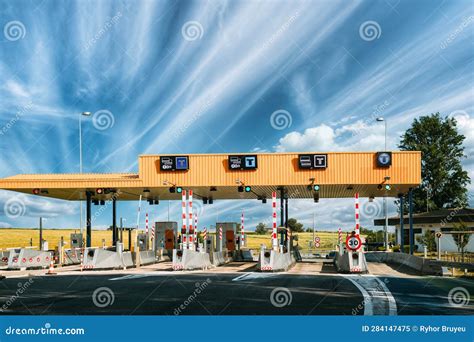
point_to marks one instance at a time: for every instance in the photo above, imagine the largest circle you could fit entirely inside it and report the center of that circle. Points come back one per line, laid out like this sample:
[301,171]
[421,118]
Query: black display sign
[246,162]
[384,159]
[313,161]
[174,163]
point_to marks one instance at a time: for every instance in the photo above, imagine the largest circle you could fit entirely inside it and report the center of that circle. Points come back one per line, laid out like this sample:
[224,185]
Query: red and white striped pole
[220,238]
[242,232]
[195,227]
[274,216]
[190,220]
[204,233]
[146,230]
[357,217]
[153,234]
[183,229]
[340,234]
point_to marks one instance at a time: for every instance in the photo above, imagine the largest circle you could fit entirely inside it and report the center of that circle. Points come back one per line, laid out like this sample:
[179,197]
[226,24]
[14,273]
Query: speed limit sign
[317,244]
[317,239]
[353,242]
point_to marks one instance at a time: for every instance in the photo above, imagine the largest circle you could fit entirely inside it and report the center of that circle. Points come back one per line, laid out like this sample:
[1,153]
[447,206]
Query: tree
[460,239]
[295,226]
[309,230]
[428,239]
[261,229]
[443,178]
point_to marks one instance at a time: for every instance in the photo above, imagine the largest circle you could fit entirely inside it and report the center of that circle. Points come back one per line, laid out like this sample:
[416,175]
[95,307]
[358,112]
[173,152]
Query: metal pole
[402,232]
[282,211]
[41,234]
[114,222]
[386,223]
[88,219]
[410,219]
[80,170]
[439,248]
[121,230]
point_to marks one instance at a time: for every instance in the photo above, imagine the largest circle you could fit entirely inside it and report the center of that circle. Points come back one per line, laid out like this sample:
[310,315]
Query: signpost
[243,162]
[438,236]
[353,242]
[313,161]
[174,163]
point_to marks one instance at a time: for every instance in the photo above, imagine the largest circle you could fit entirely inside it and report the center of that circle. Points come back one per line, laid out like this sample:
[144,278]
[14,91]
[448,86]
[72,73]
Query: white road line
[253,275]
[378,300]
[392,303]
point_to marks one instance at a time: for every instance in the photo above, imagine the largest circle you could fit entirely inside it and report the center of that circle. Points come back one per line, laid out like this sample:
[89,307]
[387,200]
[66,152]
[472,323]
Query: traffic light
[36,191]
[179,189]
[240,188]
[99,191]
[248,188]
[172,190]
[316,187]
[388,187]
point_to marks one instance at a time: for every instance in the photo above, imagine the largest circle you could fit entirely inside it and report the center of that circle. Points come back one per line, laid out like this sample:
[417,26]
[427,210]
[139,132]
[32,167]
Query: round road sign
[316,244]
[438,235]
[353,242]
[317,239]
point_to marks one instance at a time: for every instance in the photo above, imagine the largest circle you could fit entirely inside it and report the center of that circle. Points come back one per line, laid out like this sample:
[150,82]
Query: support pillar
[402,232]
[282,211]
[114,222]
[88,219]
[410,220]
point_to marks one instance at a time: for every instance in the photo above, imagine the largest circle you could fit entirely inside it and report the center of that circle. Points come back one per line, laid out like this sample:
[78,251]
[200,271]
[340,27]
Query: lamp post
[80,162]
[381,119]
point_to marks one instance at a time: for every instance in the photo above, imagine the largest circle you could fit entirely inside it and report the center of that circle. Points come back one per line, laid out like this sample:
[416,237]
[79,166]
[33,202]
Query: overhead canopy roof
[446,216]
[344,174]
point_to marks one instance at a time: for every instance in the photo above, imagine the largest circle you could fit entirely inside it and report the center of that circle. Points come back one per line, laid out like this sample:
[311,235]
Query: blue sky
[206,76]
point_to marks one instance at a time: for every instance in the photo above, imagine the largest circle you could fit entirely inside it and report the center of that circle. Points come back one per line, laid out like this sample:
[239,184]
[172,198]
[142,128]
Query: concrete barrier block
[28,258]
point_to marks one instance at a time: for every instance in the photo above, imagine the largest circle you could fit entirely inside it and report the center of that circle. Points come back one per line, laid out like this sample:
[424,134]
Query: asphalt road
[230,291]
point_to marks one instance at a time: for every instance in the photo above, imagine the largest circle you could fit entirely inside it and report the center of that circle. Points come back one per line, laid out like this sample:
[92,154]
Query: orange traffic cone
[51,268]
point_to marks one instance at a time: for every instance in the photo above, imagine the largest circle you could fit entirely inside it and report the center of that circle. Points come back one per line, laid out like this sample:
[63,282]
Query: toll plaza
[276,177]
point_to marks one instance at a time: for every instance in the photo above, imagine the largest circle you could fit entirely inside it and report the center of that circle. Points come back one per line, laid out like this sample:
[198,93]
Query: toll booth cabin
[166,236]
[229,230]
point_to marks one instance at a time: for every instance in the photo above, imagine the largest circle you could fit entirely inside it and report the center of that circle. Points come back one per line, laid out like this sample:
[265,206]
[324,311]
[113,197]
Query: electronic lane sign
[313,161]
[384,159]
[174,163]
[245,162]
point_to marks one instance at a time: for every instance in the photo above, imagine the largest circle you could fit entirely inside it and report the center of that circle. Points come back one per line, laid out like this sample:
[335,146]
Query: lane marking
[253,275]
[378,300]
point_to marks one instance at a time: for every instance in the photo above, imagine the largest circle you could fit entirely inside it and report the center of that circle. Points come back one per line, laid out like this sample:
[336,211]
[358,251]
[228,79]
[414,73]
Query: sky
[165,77]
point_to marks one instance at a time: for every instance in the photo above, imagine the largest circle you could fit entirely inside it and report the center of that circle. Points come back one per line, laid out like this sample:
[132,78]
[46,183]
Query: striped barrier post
[195,228]
[220,238]
[357,218]
[190,221]
[339,232]
[274,217]
[183,229]
[153,234]
[242,233]
[204,233]
[146,230]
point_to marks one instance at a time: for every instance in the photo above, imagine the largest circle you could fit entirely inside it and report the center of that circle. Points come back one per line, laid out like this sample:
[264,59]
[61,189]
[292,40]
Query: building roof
[441,216]
[345,174]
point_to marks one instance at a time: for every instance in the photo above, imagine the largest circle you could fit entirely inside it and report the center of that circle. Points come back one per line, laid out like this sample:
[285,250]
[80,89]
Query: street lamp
[381,119]
[80,160]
